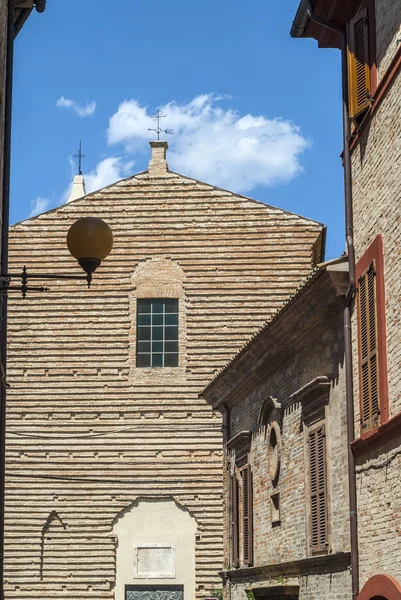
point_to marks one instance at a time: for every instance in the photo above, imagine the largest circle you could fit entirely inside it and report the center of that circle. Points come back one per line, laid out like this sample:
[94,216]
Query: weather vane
[79,156]
[158,129]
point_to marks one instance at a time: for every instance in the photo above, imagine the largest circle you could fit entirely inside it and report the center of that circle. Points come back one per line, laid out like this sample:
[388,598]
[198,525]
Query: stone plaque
[155,561]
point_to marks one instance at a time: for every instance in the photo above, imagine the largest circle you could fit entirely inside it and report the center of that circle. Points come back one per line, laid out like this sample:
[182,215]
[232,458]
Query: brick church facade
[114,462]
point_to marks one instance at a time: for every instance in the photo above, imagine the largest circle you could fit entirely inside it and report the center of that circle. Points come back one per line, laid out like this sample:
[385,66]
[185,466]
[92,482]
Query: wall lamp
[89,240]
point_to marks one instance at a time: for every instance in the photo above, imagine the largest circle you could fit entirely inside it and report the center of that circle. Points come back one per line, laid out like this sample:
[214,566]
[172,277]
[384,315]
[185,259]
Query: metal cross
[158,129]
[79,156]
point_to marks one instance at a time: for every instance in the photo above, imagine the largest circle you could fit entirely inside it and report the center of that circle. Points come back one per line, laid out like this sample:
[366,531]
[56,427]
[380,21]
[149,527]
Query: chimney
[158,164]
[78,188]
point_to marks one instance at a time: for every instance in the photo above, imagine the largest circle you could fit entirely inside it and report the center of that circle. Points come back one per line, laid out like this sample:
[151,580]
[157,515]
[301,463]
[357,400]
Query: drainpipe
[20,22]
[348,299]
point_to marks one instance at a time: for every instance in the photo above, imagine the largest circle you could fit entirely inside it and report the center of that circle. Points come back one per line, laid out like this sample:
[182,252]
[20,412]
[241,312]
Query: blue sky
[253,110]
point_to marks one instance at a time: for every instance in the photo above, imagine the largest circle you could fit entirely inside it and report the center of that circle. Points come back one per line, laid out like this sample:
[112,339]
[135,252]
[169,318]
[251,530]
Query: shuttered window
[247,524]
[368,355]
[371,309]
[233,518]
[318,489]
[359,69]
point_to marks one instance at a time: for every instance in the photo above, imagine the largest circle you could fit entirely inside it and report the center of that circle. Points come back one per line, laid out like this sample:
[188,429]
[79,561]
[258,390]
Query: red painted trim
[391,429]
[382,586]
[381,91]
[375,252]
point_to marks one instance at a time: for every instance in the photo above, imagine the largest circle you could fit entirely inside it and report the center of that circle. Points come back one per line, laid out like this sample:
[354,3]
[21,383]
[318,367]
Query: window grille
[157,332]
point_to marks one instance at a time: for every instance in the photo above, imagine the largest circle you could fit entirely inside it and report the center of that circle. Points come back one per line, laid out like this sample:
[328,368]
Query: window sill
[388,430]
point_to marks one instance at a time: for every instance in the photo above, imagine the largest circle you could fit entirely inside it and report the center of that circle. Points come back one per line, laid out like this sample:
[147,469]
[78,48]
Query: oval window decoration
[274,452]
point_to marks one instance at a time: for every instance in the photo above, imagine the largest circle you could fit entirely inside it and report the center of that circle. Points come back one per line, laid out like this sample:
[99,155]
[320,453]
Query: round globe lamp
[90,241]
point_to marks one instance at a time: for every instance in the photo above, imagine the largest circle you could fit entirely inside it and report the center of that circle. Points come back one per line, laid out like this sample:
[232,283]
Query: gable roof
[142,176]
[242,258]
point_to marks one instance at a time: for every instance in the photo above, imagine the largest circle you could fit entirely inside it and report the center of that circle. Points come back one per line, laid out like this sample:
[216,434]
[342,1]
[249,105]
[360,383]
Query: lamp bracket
[24,276]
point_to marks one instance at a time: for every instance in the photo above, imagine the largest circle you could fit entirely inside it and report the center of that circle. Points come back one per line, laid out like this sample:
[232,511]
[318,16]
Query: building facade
[373,101]
[13,15]
[286,493]
[114,462]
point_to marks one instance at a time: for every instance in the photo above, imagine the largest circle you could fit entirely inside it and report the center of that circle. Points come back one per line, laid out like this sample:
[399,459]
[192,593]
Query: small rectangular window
[275,509]
[157,332]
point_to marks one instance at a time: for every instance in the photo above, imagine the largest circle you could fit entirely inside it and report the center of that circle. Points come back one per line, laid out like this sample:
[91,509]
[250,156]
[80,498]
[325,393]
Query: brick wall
[376,166]
[278,365]
[388,32]
[311,359]
[89,433]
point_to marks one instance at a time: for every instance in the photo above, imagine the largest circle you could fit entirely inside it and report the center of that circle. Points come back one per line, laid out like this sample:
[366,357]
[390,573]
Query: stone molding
[330,563]
[313,396]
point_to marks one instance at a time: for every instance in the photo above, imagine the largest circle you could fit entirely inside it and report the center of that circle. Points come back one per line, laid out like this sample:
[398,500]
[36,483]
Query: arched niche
[52,546]
[270,419]
[381,587]
[155,533]
[270,410]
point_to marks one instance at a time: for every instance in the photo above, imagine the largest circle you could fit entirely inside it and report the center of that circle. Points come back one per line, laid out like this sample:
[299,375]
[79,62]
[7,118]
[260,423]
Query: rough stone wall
[318,354]
[376,168]
[88,433]
[379,510]
[388,33]
[376,165]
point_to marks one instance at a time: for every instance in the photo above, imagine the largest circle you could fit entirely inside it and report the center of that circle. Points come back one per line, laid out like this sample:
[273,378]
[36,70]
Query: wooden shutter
[318,489]
[234,533]
[247,505]
[359,76]
[368,355]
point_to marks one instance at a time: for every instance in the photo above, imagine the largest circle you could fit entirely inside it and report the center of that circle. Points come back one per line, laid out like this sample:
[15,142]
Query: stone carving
[155,595]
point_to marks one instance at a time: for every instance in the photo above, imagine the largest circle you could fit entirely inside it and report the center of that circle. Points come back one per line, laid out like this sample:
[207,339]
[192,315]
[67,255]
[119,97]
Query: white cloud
[215,144]
[81,111]
[39,206]
[108,171]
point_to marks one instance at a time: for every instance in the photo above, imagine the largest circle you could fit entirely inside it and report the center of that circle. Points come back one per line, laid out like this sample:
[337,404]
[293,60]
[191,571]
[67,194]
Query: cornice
[240,441]
[328,563]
